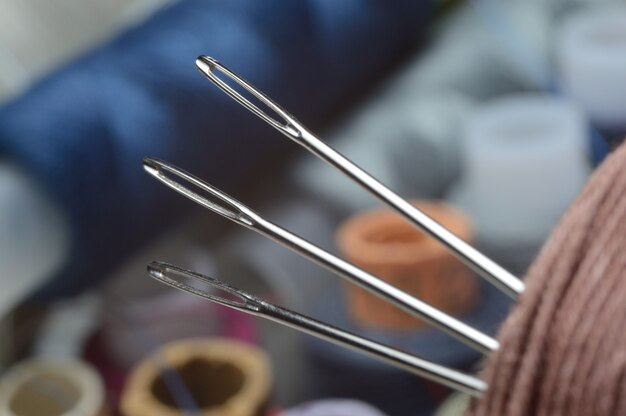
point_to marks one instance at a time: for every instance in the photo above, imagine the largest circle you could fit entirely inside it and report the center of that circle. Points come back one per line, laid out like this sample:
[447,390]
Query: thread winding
[563,347]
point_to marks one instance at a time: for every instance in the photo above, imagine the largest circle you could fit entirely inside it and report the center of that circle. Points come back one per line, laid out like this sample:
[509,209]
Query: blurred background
[488,114]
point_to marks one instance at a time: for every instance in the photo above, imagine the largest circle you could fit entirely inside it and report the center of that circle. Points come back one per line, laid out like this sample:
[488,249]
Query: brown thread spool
[563,346]
[223,377]
[384,244]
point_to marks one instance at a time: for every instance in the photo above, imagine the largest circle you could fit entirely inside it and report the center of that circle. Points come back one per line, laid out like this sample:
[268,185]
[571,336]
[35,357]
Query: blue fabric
[84,129]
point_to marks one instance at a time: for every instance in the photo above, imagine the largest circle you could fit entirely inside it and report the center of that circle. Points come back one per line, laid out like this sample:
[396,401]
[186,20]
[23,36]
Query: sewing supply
[564,345]
[419,156]
[235,211]
[333,407]
[164,112]
[52,387]
[525,382]
[334,371]
[141,316]
[590,55]
[291,128]
[242,301]
[525,160]
[33,237]
[200,376]
[230,208]
[382,243]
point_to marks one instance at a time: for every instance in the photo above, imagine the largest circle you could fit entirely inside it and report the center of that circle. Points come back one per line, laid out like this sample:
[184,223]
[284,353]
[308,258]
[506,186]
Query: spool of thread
[34,240]
[591,56]
[562,347]
[333,407]
[386,245]
[205,376]
[455,405]
[44,129]
[525,161]
[46,387]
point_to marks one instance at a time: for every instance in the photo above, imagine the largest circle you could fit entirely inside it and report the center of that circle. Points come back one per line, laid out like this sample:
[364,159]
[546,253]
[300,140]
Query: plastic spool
[201,377]
[34,236]
[333,407]
[591,55]
[386,245]
[525,161]
[42,387]
[425,156]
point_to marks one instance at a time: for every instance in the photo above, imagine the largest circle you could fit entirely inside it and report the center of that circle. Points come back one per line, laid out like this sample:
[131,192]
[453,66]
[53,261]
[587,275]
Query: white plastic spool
[43,387]
[34,236]
[333,407]
[591,56]
[524,162]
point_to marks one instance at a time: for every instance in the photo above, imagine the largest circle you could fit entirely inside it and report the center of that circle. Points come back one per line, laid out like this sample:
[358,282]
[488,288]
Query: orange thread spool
[384,244]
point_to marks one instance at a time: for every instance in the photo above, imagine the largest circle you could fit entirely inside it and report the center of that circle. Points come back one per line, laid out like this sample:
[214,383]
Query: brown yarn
[563,347]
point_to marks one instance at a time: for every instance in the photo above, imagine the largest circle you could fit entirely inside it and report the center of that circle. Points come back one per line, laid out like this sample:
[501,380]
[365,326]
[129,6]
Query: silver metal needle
[245,302]
[291,128]
[217,201]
